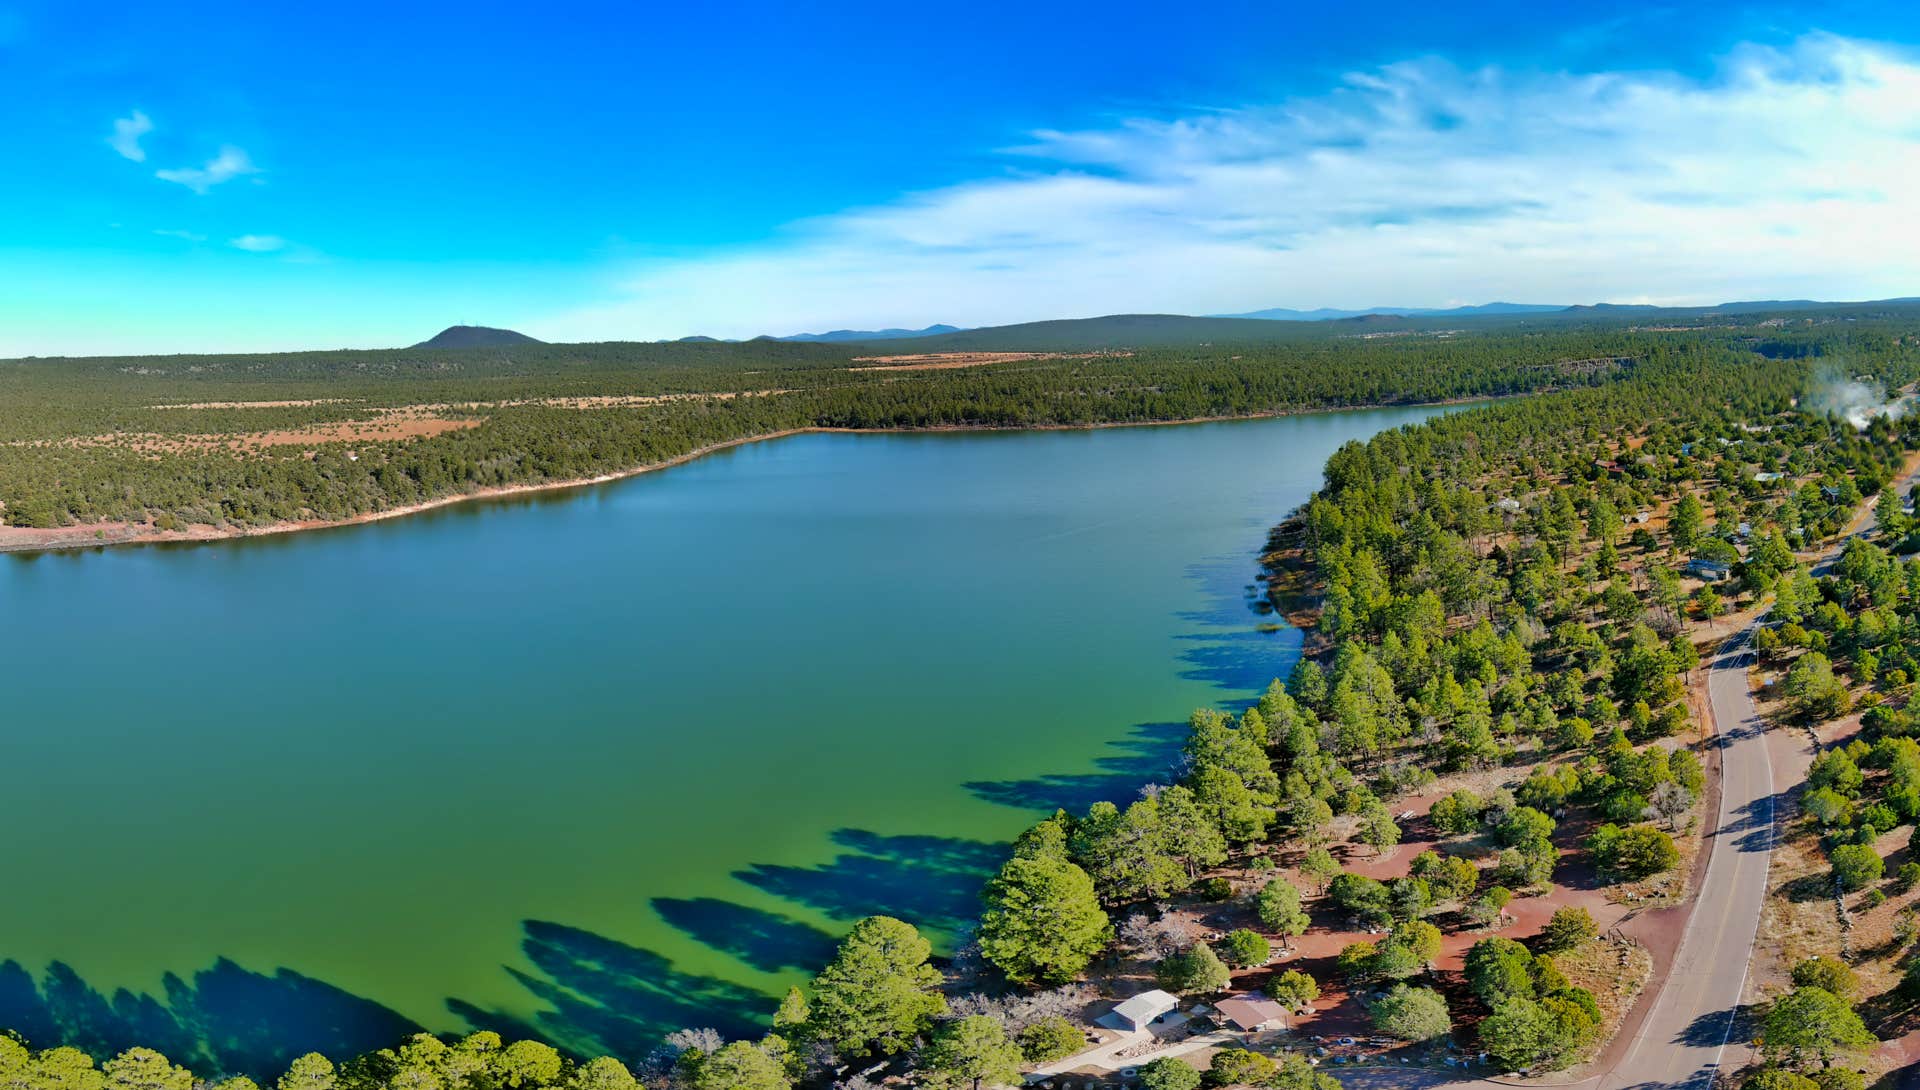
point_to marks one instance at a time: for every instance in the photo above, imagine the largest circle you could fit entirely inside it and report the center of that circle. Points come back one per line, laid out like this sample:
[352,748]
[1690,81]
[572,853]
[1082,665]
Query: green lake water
[610,762]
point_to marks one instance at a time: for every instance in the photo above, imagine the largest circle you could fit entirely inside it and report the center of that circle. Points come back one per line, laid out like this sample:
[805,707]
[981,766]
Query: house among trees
[1709,571]
[1251,1012]
[1142,1011]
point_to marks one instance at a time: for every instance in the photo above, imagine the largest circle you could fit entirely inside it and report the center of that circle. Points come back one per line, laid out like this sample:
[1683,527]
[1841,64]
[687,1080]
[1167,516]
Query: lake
[605,763]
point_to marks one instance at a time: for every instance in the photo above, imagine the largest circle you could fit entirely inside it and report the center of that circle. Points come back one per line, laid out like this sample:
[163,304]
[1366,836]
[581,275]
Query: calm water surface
[609,762]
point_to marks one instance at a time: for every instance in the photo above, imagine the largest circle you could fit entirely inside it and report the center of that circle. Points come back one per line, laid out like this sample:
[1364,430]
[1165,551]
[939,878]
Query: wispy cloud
[127,132]
[259,244]
[175,232]
[229,164]
[1788,171]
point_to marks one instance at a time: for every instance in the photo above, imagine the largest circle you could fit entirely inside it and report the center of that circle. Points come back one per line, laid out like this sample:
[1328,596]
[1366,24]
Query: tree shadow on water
[1149,753]
[606,998]
[226,1019]
[765,940]
[1240,662]
[930,881]
[1227,652]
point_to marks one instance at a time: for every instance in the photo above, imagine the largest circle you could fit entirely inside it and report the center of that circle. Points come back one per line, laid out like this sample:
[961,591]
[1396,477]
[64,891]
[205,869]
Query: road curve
[1696,1014]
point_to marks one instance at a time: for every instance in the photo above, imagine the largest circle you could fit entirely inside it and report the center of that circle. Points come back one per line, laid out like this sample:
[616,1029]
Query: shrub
[1293,989]
[1412,1014]
[1499,969]
[1278,906]
[1457,814]
[1907,877]
[1881,817]
[1051,1038]
[1856,866]
[1216,889]
[1775,1078]
[1827,806]
[1839,1078]
[1239,1067]
[1362,896]
[1168,1073]
[1569,927]
[1825,972]
[1244,949]
[1198,970]
[1634,852]
[1486,908]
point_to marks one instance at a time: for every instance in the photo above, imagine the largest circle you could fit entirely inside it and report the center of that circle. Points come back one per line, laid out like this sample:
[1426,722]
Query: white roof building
[1140,1011]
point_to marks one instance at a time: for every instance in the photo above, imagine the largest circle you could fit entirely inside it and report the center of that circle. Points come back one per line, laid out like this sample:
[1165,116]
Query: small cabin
[1251,1012]
[1710,571]
[1142,1011]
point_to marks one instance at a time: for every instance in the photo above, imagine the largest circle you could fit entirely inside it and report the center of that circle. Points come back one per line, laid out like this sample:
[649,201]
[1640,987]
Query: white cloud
[229,164]
[1787,173]
[127,132]
[259,244]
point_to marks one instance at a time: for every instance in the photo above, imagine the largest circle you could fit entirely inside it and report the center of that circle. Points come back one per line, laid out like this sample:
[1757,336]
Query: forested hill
[474,336]
[236,441]
[1167,330]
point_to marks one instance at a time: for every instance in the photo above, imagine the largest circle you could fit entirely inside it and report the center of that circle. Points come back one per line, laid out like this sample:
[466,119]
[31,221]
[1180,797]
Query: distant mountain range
[871,334]
[1325,314]
[1273,325]
[475,336]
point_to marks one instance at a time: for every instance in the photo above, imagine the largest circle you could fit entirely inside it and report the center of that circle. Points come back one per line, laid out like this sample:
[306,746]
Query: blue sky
[219,176]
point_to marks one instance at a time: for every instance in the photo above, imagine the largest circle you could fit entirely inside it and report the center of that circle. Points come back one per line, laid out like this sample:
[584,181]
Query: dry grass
[1615,971]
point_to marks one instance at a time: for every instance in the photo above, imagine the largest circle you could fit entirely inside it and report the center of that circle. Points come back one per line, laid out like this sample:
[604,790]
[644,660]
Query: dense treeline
[84,440]
[480,1061]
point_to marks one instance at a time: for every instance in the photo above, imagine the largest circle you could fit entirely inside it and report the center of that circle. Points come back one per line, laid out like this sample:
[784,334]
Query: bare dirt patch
[947,361]
[391,427]
[296,404]
[595,401]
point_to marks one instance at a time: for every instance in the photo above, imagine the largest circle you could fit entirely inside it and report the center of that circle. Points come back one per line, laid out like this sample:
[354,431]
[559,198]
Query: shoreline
[100,535]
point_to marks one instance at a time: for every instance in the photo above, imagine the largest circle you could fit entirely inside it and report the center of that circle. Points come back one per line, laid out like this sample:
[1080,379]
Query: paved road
[1696,1017]
[1683,1039]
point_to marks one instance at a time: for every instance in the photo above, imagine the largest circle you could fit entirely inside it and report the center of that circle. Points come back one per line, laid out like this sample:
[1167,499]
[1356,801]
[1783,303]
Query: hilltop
[475,336]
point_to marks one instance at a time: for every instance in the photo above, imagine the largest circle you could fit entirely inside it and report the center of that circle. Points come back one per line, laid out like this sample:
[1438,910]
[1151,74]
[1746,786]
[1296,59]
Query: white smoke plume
[1858,400]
